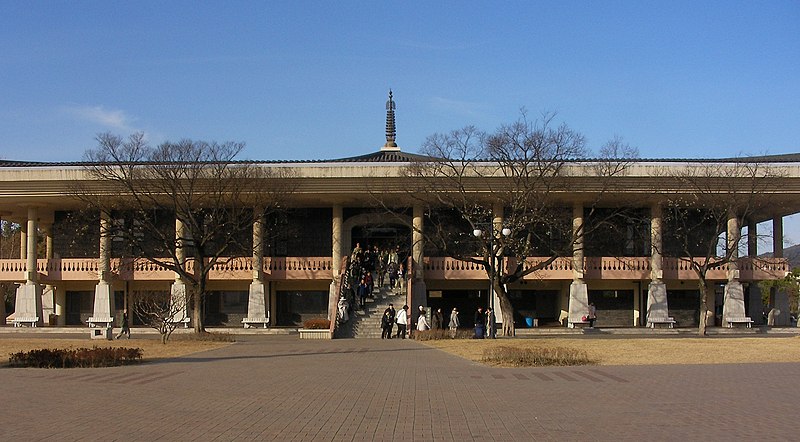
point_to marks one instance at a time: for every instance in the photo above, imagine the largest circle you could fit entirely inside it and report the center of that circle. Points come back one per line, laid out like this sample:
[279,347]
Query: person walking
[126,330]
[480,323]
[402,322]
[363,291]
[389,317]
[454,323]
[592,316]
[437,321]
[422,320]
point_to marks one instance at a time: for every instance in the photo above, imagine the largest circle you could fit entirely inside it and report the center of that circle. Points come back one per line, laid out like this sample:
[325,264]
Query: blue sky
[308,80]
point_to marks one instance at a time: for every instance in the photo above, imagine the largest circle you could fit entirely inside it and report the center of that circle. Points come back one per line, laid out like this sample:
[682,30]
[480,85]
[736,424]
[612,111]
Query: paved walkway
[282,388]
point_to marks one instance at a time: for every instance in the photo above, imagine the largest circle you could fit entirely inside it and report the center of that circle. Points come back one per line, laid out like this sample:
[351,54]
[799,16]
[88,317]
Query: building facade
[70,273]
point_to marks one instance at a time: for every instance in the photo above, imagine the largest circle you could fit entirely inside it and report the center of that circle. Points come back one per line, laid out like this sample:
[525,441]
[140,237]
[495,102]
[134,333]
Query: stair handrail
[341,290]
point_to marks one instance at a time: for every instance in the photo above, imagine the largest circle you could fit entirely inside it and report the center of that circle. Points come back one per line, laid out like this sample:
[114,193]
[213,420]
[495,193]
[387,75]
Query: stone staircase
[367,323]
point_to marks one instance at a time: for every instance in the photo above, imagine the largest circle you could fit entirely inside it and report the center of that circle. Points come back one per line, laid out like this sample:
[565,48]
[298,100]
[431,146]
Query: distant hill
[790,253]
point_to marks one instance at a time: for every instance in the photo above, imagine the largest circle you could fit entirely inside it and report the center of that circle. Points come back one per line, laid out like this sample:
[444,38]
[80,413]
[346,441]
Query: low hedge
[79,357]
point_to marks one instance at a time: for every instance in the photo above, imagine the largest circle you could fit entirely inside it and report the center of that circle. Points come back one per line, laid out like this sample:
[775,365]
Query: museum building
[77,276]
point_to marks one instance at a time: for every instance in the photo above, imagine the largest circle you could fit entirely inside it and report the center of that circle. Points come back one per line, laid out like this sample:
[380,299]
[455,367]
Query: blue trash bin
[529,322]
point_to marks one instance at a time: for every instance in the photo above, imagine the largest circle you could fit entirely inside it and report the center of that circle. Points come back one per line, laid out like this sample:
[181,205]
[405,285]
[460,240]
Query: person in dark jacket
[437,321]
[480,322]
[387,322]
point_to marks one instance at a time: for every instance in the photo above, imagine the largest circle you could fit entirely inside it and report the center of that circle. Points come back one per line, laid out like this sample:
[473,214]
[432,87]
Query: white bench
[247,322]
[100,322]
[669,322]
[31,321]
[184,321]
[745,320]
[580,323]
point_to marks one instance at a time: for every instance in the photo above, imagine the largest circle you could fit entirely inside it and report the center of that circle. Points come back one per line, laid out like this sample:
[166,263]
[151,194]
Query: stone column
[257,306]
[337,254]
[657,306]
[48,291]
[498,215]
[23,240]
[733,303]
[419,291]
[754,303]
[103,310]
[578,291]
[29,295]
[178,289]
[777,237]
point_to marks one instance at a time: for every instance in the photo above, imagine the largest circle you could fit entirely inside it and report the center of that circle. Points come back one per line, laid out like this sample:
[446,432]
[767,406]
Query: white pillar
[657,305]
[29,295]
[48,291]
[178,289]
[419,291]
[733,304]
[337,254]
[103,310]
[257,311]
[578,291]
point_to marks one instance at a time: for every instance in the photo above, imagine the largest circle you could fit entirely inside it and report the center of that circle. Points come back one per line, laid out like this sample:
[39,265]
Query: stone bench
[248,322]
[669,322]
[745,320]
[31,321]
[184,321]
[579,323]
[100,322]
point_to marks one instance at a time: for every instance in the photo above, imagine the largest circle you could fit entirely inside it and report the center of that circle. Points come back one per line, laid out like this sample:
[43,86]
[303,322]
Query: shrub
[536,357]
[205,337]
[317,324]
[80,357]
[432,335]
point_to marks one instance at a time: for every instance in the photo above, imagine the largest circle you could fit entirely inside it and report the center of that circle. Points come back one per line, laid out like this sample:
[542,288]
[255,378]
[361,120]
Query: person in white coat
[422,321]
[402,322]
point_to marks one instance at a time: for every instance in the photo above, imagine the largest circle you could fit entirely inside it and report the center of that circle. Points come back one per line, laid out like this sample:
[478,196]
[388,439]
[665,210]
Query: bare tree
[705,205]
[184,206]
[515,178]
[159,310]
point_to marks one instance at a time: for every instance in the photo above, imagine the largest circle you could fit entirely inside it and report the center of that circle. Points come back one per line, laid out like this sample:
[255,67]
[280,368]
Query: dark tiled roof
[397,156]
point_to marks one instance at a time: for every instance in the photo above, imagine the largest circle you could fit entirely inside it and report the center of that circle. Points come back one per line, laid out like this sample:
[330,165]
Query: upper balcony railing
[319,268]
[611,268]
[87,269]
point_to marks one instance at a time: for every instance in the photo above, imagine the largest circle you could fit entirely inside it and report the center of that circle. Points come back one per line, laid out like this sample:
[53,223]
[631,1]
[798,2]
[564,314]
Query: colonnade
[29,301]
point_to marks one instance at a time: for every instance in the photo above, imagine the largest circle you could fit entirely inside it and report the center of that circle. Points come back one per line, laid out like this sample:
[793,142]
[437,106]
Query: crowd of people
[485,322]
[371,267]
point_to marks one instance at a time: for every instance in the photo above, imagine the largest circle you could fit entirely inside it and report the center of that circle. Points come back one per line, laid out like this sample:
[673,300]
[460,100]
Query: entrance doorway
[386,237]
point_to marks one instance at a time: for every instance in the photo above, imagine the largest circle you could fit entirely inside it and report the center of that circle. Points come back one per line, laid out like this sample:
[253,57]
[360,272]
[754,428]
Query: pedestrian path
[284,388]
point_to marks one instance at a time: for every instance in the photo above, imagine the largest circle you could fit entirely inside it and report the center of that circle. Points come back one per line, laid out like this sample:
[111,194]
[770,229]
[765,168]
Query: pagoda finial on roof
[391,131]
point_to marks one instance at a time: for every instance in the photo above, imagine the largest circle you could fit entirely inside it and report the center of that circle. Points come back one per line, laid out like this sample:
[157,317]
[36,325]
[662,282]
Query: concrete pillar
[578,291]
[781,298]
[178,289]
[103,310]
[754,303]
[337,254]
[29,295]
[777,237]
[419,291]
[48,291]
[733,304]
[60,301]
[257,307]
[657,305]
[23,240]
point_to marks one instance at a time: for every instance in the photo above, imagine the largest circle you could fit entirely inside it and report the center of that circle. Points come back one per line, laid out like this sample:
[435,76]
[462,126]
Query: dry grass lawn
[647,351]
[152,349]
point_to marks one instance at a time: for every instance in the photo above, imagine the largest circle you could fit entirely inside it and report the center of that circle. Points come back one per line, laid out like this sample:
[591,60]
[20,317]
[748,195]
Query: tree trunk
[507,309]
[197,296]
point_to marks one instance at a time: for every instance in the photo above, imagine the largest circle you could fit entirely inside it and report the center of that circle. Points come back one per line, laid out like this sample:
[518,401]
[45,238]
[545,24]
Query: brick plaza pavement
[282,388]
